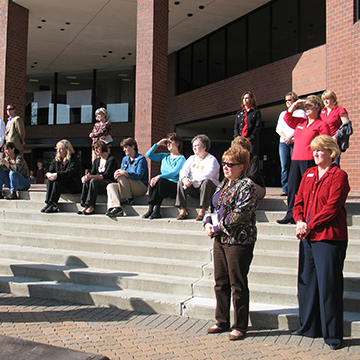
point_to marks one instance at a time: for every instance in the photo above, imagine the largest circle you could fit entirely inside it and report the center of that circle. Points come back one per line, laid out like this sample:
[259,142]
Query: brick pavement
[120,334]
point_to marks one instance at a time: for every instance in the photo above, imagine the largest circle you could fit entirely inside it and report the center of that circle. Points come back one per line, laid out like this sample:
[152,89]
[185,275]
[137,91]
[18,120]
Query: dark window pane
[259,38]
[217,56]
[184,70]
[312,25]
[200,63]
[284,29]
[236,48]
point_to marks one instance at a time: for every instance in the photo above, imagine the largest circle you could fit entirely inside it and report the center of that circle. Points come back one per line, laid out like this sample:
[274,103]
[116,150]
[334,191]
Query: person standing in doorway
[15,129]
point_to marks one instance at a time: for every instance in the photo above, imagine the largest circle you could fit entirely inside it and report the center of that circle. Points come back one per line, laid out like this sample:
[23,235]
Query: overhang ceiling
[75,35]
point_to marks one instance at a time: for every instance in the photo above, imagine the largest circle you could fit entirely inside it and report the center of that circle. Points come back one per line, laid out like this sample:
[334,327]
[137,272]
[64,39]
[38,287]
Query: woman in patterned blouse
[232,224]
[101,129]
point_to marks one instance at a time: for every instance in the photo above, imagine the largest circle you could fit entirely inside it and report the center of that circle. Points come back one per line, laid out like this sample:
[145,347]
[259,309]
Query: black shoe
[155,215]
[1,195]
[286,220]
[118,211]
[147,214]
[52,209]
[129,201]
[334,346]
[45,207]
[295,333]
[283,194]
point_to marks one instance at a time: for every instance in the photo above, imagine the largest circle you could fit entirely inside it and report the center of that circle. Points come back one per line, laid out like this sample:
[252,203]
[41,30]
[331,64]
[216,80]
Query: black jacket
[254,126]
[110,167]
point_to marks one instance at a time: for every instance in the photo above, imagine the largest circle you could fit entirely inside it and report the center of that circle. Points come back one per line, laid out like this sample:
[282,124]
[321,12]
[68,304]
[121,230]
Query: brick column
[343,74]
[13,55]
[151,72]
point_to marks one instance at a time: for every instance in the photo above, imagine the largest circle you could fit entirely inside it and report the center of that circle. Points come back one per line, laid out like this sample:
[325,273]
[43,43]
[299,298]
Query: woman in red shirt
[321,227]
[333,114]
[306,129]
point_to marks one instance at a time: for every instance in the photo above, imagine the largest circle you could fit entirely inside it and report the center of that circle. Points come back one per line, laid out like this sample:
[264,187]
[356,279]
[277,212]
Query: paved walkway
[120,334]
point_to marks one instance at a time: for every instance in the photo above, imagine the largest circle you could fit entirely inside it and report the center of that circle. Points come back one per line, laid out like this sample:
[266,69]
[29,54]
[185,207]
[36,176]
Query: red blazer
[324,200]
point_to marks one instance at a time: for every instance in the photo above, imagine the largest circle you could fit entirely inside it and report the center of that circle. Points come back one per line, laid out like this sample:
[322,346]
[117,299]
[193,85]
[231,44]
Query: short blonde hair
[239,155]
[326,142]
[243,142]
[69,150]
[329,94]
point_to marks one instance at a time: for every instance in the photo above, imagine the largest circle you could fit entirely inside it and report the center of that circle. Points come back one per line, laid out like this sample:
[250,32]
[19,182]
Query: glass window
[39,99]
[284,29]
[115,92]
[236,48]
[184,70]
[258,53]
[217,56]
[74,97]
[357,10]
[200,56]
[312,23]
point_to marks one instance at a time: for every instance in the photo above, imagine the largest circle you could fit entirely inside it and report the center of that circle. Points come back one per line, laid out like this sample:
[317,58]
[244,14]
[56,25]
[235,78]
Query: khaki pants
[124,189]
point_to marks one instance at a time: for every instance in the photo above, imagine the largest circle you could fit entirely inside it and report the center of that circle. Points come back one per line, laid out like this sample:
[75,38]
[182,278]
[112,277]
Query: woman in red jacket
[320,215]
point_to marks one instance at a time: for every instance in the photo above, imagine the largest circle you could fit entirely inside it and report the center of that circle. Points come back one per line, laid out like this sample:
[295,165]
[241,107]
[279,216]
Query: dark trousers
[91,189]
[163,189]
[320,289]
[297,169]
[231,267]
[204,192]
[57,187]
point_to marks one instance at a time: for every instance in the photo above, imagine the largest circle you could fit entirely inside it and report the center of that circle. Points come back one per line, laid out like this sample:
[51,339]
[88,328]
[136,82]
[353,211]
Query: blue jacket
[137,168]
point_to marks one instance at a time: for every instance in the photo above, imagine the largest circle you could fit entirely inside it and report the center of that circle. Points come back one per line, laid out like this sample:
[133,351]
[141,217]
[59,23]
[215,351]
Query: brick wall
[343,75]
[13,55]
[151,73]
[269,83]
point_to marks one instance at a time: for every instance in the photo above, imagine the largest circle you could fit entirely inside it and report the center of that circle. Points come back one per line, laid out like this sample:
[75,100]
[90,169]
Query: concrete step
[122,263]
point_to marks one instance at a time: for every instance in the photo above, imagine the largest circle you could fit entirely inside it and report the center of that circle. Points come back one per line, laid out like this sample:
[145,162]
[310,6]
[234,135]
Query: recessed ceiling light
[104,55]
[67,23]
[190,15]
[71,77]
[129,54]
[123,58]
[125,79]
[34,80]
[43,20]
[74,83]
[110,52]
[201,7]
[123,75]
[177,3]
[62,29]
[39,27]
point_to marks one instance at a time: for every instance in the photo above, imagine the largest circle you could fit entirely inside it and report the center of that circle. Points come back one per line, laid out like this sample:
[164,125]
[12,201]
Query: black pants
[320,289]
[297,169]
[59,186]
[231,267]
[91,189]
[163,189]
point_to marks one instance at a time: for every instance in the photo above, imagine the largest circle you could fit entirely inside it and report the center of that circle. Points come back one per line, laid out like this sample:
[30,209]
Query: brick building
[180,66]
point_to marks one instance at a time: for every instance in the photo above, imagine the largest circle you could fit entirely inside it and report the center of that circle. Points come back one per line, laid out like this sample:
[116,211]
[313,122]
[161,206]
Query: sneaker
[129,201]
[52,209]
[118,211]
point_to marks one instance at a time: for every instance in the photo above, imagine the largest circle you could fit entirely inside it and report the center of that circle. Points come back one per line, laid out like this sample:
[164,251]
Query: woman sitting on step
[198,177]
[14,172]
[95,182]
[64,175]
[132,179]
[164,185]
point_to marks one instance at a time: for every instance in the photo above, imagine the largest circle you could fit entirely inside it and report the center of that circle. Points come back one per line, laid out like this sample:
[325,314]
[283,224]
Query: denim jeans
[285,152]
[14,181]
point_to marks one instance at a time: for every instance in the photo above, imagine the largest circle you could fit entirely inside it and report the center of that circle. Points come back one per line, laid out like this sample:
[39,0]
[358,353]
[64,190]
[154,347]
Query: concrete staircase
[163,266]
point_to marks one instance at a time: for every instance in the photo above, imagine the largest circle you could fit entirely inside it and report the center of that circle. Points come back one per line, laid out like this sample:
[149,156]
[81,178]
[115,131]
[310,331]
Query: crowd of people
[311,141]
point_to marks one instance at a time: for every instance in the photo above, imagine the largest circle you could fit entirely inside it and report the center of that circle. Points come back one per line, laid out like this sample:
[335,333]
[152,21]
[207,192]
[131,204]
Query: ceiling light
[190,15]
[71,77]
[74,83]
[177,3]
[123,75]
[34,80]
[125,79]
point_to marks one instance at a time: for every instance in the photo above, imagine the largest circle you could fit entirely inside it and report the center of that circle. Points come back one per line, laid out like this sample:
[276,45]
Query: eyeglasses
[10,108]
[96,147]
[229,165]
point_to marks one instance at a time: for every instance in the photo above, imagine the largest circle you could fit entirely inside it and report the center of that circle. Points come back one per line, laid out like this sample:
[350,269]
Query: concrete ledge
[11,348]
